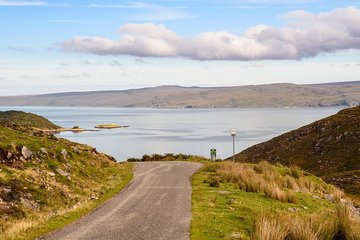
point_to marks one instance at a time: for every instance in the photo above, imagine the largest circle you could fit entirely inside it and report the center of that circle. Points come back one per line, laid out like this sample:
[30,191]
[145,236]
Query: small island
[109,126]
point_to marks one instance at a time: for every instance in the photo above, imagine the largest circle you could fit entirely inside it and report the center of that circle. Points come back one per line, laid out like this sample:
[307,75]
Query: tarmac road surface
[156,205]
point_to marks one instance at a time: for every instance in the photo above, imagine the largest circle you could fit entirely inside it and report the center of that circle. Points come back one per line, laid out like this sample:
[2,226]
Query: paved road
[156,205]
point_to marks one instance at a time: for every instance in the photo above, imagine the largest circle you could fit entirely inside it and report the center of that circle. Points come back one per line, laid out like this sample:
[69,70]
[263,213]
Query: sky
[60,46]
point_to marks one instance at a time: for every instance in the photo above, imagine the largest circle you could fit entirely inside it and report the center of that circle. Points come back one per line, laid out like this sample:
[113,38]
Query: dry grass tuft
[270,228]
[315,227]
[348,225]
[324,226]
[296,172]
[263,177]
[338,195]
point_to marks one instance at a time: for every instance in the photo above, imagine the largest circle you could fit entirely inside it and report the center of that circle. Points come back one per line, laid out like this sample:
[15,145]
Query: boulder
[26,153]
[43,151]
[64,153]
[62,172]
[329,197]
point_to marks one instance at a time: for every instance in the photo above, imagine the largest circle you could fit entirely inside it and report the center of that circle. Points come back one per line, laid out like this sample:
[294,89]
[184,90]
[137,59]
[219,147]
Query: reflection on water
[190,131]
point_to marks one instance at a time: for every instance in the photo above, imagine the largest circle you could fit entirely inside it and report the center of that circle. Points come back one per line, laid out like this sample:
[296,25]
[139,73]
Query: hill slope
[270,95]
[23,119]
[46,182]
[329,148]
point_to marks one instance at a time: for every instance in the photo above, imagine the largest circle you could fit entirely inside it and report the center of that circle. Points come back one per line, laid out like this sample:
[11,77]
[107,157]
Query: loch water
[188,131]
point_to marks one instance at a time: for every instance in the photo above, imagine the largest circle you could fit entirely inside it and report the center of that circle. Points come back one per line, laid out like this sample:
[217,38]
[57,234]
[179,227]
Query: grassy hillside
[269,95]
[329,148]
[268,202]
[46,182]
[25,120]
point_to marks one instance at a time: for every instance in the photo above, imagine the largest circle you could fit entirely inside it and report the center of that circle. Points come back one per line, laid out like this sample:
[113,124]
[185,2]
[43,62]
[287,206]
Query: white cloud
[306,35]
[21,3]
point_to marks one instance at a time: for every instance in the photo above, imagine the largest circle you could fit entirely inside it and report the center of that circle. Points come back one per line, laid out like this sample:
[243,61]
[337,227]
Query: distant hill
[24,119]
[329,148]
[269,95]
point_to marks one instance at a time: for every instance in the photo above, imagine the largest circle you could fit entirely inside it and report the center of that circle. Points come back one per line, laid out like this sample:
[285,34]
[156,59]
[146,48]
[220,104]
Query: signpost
[213,154]
[233,134]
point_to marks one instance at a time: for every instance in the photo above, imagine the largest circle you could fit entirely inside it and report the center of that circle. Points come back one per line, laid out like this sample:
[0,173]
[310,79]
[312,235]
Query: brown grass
[342,224]
[348,225]
[266,178]
[315,227]
[270,228]
[338,195]
[273,182]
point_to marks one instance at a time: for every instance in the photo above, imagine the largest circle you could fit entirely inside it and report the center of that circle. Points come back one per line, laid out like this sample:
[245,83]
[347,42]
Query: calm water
[190,131]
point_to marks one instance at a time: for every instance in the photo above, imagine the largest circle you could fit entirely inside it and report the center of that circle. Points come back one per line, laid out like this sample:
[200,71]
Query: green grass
[57,200]
[227,212]
[26,120]
[62,220]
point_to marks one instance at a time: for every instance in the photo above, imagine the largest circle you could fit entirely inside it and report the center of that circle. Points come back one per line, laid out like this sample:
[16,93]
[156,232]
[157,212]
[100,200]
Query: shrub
[214,182]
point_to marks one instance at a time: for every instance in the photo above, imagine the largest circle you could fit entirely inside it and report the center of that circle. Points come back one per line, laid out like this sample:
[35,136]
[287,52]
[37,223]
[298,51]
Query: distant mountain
[269,95]
[329,148]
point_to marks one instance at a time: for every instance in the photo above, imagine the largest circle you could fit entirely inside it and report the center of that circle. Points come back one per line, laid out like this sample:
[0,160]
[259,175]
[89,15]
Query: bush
[214,182]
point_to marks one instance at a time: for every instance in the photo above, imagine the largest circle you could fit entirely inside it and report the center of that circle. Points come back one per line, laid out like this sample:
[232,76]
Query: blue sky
[56,46]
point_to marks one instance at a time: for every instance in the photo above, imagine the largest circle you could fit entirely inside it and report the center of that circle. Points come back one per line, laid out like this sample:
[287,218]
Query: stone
[293,209]
[236,235]
[62,172]
[224,192]
[43,151]
[6,190]
[29,204]
[76,149]
[92,197]
[26,153]
[9,155]
[64,153]
[51,174]
[329,197]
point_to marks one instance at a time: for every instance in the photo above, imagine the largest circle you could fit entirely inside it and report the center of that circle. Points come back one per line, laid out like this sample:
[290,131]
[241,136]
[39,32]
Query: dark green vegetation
[46,182]
[270,95]
[329,148]
[23,119]
[168,157]
[267,202]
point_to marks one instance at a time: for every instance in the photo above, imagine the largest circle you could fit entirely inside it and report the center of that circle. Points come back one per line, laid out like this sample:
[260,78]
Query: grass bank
[267,202]
[66,216]
[48,182]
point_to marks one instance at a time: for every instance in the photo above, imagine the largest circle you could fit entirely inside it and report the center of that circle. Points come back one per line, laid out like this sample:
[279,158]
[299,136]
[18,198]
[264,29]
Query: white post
[233,134]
